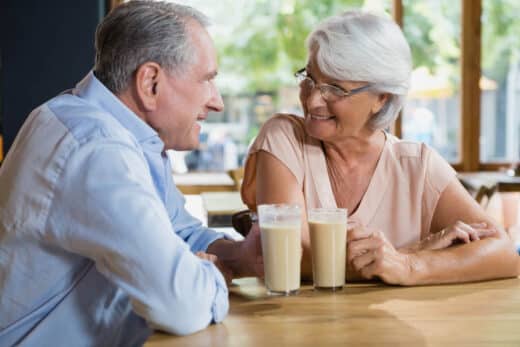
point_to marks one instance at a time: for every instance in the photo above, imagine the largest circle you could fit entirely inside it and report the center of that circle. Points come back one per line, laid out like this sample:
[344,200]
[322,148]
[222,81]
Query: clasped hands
[237,259]
[371,255]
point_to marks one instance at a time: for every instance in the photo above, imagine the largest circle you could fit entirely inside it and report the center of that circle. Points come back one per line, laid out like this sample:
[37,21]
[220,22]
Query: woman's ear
[146,84]
[381,100]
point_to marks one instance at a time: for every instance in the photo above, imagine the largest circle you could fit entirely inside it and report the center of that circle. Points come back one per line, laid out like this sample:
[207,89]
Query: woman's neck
[354,150]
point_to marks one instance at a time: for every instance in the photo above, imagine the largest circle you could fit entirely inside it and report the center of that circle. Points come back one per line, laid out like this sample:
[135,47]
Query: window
[500,82]
[432,112]
[259,51]
[464,106]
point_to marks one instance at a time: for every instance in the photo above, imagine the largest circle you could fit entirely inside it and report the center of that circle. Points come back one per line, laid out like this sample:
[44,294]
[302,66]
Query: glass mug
[328,234]
[280,232]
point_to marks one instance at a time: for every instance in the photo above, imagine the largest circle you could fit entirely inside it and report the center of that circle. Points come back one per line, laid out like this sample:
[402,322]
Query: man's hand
[250,251]
[228,275]
[242,258]
[210,257]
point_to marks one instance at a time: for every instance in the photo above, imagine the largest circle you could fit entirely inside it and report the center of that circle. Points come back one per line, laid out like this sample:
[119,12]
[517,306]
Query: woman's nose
[315,99]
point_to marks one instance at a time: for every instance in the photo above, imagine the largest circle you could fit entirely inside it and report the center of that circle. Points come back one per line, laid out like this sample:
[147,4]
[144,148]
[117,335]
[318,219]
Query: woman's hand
[459,232]
[371,255]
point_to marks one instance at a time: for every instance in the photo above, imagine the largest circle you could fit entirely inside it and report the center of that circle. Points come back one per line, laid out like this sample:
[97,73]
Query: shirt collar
[92,90]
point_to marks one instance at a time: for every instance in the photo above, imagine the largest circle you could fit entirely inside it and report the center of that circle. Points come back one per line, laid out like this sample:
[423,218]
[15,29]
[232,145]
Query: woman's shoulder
[286,121]
[417,158]
[408,149]
[284,124]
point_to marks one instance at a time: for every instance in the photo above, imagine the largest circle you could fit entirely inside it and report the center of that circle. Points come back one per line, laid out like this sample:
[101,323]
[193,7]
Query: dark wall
[46,47]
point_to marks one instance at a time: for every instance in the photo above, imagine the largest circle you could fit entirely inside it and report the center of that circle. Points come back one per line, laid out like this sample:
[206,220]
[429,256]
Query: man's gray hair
[360,46]
[140,31]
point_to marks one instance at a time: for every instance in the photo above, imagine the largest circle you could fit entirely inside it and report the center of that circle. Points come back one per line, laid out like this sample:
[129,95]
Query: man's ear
[147,78]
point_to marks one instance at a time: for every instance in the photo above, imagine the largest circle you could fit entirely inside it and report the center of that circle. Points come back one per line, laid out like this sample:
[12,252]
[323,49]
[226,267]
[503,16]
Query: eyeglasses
[328,92]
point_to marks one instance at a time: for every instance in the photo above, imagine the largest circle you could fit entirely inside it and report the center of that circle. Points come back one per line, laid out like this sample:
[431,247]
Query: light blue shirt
[96,248]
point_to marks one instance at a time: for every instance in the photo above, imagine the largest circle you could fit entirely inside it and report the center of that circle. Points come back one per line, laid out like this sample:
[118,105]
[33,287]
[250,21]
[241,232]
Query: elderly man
[96,247]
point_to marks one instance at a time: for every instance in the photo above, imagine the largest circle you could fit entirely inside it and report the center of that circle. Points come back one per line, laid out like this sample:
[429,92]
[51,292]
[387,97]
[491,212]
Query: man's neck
[129,100]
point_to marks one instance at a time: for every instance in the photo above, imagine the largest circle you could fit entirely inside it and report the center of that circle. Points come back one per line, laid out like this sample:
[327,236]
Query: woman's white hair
[360,46]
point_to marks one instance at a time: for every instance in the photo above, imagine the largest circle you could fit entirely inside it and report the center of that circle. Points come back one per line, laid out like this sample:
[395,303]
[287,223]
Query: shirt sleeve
[283,137]
[187,227]
[107,209]
[439,173]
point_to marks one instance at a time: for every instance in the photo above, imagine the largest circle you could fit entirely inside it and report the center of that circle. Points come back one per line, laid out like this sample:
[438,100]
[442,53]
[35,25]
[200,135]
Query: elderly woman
[417,223]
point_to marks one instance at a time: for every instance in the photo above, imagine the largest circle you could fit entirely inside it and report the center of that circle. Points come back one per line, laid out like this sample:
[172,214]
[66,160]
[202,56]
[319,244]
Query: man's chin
[189,142]
[186,145]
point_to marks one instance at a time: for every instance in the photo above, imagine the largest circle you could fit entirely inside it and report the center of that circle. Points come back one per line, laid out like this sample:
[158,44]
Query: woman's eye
[334,89]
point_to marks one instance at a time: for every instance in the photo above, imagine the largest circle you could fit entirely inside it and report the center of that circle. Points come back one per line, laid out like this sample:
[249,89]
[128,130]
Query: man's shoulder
[86,121]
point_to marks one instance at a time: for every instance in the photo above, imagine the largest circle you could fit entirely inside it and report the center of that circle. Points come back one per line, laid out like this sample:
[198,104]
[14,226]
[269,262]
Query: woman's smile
[321,118]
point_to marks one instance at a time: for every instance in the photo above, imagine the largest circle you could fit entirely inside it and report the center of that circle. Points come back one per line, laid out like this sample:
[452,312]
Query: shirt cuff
[220,305]
[203,243]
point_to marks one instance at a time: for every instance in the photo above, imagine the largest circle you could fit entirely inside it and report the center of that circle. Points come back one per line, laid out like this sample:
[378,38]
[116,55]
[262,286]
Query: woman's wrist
[416,247]
[416,269]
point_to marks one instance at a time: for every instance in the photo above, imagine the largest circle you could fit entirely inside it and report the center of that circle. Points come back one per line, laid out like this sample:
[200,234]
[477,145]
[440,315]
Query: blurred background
[262,47]
[48,46]
[465,87]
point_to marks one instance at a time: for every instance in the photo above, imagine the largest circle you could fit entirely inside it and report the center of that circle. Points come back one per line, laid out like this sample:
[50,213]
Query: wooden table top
[476,314]
[222,202]
[198,182]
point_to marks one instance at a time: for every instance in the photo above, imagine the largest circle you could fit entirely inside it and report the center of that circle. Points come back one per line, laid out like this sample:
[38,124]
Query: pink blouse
[402,194]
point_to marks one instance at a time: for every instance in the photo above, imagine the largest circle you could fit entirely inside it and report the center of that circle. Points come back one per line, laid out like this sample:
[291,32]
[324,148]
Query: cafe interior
[464,101]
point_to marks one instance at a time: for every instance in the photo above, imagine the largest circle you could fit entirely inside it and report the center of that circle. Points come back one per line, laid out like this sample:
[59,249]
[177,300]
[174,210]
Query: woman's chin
[319,135]
[320,130]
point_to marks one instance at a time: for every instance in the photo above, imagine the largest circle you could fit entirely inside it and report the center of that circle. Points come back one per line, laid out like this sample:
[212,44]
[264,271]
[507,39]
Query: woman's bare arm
[276,184]
[491,257]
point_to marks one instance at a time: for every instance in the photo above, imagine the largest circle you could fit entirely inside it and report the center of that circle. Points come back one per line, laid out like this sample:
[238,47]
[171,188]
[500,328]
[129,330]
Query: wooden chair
[480,190]
[237,175]
[243,220]
[484,194]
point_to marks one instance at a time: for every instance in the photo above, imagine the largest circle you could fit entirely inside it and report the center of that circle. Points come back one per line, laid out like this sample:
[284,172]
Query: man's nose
[216,103]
